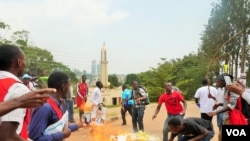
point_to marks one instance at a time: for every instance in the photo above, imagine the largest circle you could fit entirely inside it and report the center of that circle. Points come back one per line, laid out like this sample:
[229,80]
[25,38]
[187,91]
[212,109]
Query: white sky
[137,33]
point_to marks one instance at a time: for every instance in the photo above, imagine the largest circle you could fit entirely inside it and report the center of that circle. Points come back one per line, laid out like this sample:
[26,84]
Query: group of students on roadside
[224,102]
[195,128]
[16,101]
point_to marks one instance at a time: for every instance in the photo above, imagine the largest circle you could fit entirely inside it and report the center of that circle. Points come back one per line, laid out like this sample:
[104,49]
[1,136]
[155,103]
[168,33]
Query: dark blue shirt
[41,118]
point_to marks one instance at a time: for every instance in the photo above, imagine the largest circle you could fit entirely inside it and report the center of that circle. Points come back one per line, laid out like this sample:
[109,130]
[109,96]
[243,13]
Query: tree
[113,79]
[132,77]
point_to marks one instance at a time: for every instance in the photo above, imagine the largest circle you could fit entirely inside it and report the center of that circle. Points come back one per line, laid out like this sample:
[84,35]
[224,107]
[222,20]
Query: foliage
[132,77]
[37,59]
[113,79]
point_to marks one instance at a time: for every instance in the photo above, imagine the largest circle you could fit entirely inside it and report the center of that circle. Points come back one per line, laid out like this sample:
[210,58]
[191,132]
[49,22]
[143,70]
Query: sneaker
[123,123]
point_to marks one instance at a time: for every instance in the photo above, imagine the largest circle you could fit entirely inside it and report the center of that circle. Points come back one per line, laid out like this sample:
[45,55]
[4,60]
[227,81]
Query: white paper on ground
[58,126]
[98,115]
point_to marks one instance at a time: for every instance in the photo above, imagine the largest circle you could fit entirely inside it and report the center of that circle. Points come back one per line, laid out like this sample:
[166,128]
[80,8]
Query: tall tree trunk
[243,50]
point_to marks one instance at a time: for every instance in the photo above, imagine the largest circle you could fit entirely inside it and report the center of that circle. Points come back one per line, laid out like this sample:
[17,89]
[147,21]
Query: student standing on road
[203,98]
[127,103]
[172,100]
[81,97]
[138,94]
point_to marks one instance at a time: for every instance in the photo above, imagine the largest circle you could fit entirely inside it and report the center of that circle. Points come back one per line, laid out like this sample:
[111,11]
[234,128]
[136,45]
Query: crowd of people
[27,113]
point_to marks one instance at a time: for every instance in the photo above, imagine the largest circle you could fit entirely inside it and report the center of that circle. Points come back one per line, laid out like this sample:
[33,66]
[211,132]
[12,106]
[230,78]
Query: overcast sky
[137,33]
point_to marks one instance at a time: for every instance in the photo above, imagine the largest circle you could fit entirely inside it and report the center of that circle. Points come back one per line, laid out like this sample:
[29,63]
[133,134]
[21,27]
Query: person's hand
[211,114]
[123,109]
[170,139]
[34,98]
[236,88]
[153,117]
[85,99]
[66,132]
[215,106]
[198,104]
[183,113]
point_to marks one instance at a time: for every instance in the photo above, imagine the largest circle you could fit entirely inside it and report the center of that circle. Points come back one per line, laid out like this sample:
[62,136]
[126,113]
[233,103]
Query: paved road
[151,127]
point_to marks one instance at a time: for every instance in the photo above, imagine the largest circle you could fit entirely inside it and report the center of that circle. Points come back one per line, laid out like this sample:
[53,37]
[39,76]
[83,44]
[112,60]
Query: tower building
[104,66]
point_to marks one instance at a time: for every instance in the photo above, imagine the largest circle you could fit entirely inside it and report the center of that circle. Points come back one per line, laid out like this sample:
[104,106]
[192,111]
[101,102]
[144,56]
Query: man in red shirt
[81,98]
[172,100]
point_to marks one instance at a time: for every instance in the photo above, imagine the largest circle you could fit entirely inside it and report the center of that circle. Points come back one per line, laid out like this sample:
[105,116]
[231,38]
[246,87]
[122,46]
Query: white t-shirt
[15,90]
[220,97]
[206,104]
[96,97]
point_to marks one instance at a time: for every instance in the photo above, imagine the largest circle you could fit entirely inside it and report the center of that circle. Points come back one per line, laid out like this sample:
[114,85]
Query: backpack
[245,109]
[147,100]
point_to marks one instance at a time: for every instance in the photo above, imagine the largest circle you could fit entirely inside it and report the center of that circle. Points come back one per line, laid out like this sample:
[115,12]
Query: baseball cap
[25,76]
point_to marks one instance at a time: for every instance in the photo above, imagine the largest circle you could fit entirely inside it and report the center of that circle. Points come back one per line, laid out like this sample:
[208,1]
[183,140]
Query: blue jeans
[219,120]
[208,137]
[165,127]
[137,117]
[123,112]
[69,104]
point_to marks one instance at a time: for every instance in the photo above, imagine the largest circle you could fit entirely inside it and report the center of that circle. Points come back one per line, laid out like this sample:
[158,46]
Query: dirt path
[151,127]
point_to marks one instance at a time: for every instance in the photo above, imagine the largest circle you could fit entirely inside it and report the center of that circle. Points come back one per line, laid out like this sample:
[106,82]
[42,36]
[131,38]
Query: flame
[86,106]
[105,132]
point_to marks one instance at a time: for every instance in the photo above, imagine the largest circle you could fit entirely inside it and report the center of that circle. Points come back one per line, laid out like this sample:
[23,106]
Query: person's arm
[78,91]
[158,108]
[30,100]
[200,136]
[172,136]
[143,95]
[240,90]
[246,96]
[41,116]
[10,121]
[196,97]
[93,98]
[8,132]
[197,102]
[37,77]
[184,106]
[231,104]
[75,127]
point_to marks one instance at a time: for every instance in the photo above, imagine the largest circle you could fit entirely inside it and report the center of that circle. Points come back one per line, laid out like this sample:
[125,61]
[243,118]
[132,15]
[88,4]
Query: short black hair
[125,86]
[174,121]
[98,83]
[204,81]
[56,79]
[7,54]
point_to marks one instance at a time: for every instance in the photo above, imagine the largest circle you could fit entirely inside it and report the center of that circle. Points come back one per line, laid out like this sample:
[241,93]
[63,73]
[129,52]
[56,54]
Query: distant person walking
[81,97]
[127,103]
[172,100]
[204,97]
[70,104]
[138,94]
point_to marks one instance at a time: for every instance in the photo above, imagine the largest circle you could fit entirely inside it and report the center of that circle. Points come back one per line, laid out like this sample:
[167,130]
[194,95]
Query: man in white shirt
[96,99]
[203,97]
